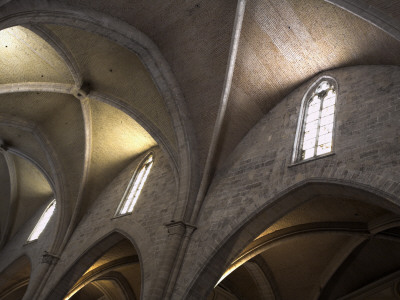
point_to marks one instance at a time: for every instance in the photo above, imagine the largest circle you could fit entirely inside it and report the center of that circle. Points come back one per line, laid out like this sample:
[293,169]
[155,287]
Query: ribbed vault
[319,251]
[58,138]
[86,87]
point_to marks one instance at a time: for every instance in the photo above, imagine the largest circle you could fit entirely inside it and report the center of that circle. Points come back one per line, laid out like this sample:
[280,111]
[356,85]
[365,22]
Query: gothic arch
[182,160]
[80,273]
[14,279]
[278,207]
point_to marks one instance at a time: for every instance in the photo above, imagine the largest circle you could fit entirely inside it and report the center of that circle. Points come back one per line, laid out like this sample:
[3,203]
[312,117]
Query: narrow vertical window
[42,223]
[135,187]
[317,122]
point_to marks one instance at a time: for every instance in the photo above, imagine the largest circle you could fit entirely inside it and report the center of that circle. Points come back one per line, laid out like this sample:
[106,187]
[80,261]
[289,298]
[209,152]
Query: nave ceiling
[76,107]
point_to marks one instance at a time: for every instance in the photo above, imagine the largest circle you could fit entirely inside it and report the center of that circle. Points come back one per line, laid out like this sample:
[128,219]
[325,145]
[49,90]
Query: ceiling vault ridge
[370,14]
[215,139]
[87,117]
[33,161]
[213,90]
[359,233]
[352,229]
[350,258]
[136,41]
[334,264]
[257,267]
[265,268]
[142,120]
[102,271]
[4,294]
[49,87]
[383,280]
[54,42]
[58,181]
[35,130]
[122,283]
[386,222]
[81,93]
[191,210]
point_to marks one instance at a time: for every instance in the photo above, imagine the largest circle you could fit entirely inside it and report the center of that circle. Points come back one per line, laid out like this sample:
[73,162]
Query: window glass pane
[314,105]
[311,126]
[317,131]
[326,120]
[328,111]
[324,148]
[313,109]
[326,129]
[140,186]
[323,86]
[309,144]
[308,153]
[314,101]
[312,117]
[149,159]
[310,135]
[135,187]
[330,99]
[44,219]
[326,138]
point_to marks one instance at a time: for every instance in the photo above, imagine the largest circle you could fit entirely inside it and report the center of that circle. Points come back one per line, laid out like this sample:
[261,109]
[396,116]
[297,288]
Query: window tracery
[317,121]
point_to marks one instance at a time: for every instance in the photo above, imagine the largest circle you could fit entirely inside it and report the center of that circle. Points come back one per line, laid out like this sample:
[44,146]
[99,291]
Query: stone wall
[144,227]
[246,194]
[18,246]
[260,171]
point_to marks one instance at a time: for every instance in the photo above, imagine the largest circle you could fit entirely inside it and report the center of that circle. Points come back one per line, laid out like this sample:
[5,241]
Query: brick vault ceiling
[282,44]
[45,131]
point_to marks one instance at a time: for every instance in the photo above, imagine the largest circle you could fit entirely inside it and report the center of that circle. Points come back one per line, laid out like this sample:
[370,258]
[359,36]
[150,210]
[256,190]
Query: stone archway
[14,280]
[109,267]
[248,241]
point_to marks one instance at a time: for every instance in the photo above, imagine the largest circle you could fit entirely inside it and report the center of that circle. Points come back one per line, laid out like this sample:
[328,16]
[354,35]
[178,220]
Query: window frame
[131,185]
[29,240]
[301,123]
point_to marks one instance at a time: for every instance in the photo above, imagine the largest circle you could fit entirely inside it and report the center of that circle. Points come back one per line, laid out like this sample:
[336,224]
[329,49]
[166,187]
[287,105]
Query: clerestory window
[43,221]
[316,121]
[135,187]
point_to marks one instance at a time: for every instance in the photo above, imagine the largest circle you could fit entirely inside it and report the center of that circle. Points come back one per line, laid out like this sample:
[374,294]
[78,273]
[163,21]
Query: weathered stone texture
[149,237]
[366,153]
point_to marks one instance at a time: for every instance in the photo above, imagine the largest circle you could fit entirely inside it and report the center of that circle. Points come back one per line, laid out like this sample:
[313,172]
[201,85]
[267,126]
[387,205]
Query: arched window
[316,121]
[135,187]
[44,219]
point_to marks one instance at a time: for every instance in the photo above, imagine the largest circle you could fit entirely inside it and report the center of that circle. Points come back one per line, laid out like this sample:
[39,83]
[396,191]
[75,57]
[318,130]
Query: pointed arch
[14,280]
[87,269]
[241,236]
[182,156]
[182,160]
